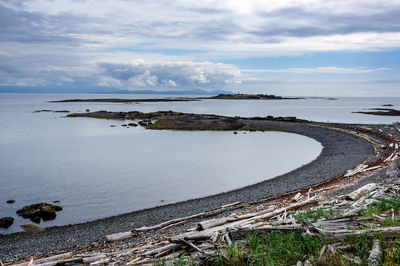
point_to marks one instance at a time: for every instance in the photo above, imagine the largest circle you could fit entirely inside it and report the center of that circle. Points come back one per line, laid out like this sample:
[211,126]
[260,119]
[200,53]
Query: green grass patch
[314,215]
[383,205]
[274,248]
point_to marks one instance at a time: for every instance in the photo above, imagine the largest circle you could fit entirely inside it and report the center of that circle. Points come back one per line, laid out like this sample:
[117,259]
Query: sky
[285,47]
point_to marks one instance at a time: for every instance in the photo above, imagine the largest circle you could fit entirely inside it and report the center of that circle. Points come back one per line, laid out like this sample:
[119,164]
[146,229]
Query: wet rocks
[10,201]
[31,228]
[132,124]
[392,172]
[38,211]
[6,222]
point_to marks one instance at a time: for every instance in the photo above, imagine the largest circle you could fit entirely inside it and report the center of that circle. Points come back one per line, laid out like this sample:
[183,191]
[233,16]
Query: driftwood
[375,253]
[386,231]
[190,245]
[47,259]
[93,259]
[173,221]
[361,191]
[119,236]
[297,197]
[204,225]
[158,250]
[60,262]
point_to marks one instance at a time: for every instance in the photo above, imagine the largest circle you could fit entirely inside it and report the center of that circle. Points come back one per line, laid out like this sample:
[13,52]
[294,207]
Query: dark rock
[124,125]
[234,132]
[113,126]
[38,211]
[6,222]
[10,201]
[56,201]
[132,124]
[87,110]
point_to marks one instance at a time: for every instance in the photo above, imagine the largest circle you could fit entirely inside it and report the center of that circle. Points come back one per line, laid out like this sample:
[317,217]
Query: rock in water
[6,222]
[31,228]
[38,211]
[10,201]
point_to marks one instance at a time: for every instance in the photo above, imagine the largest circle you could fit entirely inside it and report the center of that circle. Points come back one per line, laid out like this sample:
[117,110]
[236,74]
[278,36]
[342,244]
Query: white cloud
[166,74]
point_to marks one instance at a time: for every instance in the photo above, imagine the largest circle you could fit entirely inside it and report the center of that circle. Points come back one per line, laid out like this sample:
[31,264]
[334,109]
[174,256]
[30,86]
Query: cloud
[180,74]
[45,42]
[325,70]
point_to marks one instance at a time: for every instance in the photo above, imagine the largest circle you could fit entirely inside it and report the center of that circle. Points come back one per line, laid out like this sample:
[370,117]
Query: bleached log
[230,205]
[101,262]
[375,253]
[386,231]
[372,168]
[60,262]
[175,224]
[93,259]
[361,191]
[356,170]
[158,250]
[207,234]
[203,225]
[139,262]
[227,239]
[47,259]
[157,226]
[214,237]
[379,218]
[297,197]
[119,236]
[191,245]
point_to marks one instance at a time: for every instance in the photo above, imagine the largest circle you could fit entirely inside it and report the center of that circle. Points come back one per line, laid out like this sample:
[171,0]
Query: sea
[96,168]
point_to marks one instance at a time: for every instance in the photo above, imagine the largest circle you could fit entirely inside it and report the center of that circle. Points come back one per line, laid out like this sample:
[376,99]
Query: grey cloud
[299,22]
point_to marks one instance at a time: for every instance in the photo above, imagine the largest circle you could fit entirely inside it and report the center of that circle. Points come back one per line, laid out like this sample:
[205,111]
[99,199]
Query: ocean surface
[97,171]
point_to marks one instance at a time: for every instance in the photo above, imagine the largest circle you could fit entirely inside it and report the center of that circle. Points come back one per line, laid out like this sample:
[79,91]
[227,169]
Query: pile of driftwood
[261,216]
[207,235]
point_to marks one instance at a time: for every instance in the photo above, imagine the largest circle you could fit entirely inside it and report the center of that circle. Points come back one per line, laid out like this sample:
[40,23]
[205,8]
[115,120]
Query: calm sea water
[96,171]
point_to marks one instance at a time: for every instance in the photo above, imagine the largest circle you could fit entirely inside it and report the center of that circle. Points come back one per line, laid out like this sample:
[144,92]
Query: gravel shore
[340,153]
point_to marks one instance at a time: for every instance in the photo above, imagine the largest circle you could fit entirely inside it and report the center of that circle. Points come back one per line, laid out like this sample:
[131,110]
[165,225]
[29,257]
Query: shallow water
[96,171]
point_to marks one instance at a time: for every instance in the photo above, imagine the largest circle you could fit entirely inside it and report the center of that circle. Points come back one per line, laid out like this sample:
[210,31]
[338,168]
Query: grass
[382,206]
[314,215]
[274,248]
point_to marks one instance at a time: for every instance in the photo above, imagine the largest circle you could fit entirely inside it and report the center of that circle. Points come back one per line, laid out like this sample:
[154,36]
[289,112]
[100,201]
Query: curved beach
[340,152]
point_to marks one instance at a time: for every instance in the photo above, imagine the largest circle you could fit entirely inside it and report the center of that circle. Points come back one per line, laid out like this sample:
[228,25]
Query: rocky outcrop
[6,222]
[251,97]
[38,211]
[381,111]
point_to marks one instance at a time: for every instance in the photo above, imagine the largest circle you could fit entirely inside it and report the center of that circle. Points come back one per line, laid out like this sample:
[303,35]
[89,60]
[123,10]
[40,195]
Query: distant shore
[340,152]
[183,99]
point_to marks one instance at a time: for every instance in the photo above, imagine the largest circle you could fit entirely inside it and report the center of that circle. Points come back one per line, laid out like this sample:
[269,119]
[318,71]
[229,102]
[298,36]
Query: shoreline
[341,152]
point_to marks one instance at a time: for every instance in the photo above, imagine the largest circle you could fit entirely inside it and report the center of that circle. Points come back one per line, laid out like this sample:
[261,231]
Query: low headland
[183,99]
[381,111]
[352,156]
